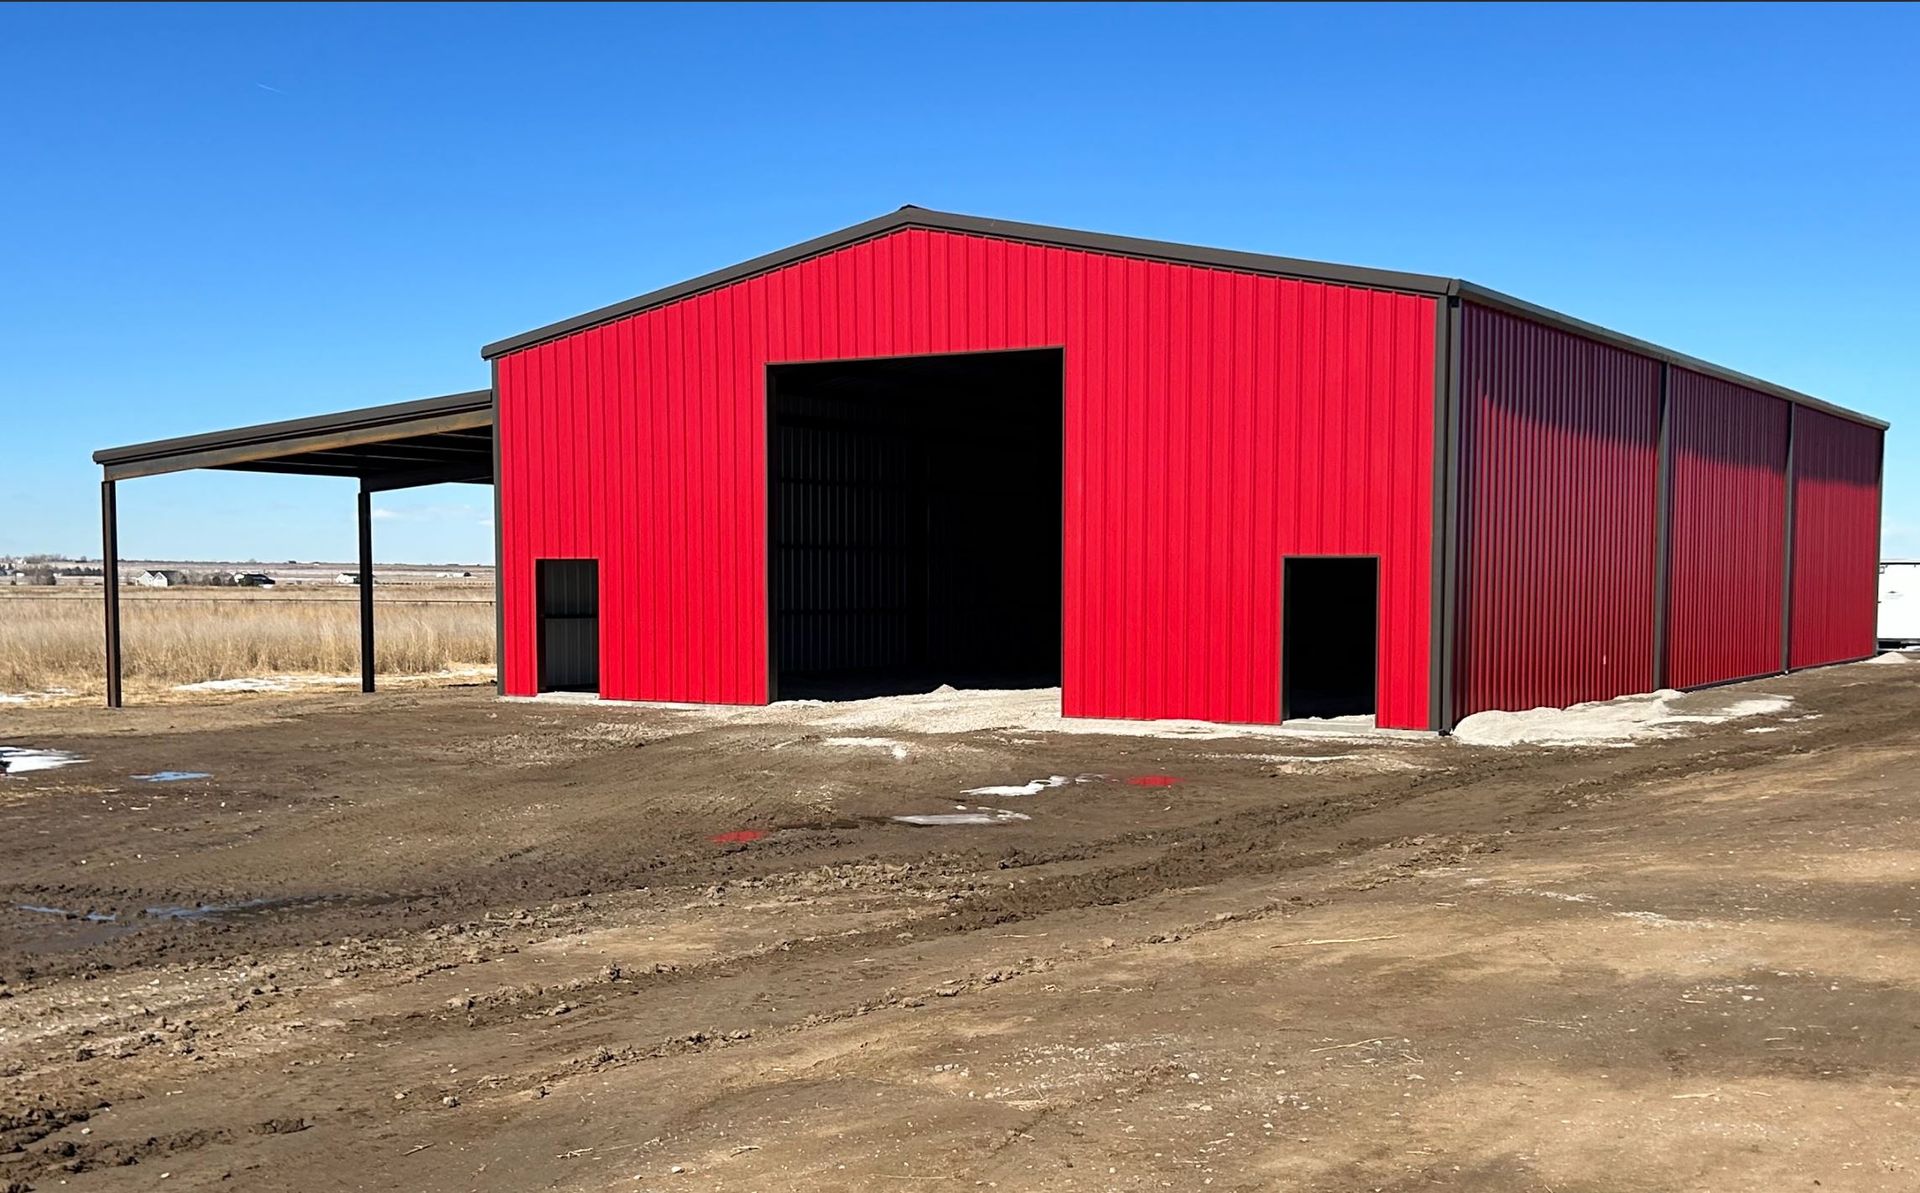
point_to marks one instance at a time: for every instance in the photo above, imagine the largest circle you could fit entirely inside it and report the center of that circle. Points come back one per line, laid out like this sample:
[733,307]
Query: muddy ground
[432,941]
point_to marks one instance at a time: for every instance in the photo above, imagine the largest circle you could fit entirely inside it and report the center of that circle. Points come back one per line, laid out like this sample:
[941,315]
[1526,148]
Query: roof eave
[341,421]
[1488,297]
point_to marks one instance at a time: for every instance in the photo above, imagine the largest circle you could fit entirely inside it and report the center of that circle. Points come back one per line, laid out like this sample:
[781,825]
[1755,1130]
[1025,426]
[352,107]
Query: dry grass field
[51,638]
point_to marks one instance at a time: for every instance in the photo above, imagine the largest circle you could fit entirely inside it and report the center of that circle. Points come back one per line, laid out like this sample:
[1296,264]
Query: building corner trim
[1663,529]
[1786,554]
[1445,632]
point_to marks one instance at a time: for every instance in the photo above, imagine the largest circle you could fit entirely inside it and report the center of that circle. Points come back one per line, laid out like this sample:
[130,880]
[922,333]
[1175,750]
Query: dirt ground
[435,941]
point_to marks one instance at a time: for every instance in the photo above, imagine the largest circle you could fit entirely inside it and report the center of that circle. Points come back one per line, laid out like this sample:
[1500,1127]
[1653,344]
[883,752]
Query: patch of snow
[975,816]
[31,697]
[1892,656]
[1032,787]
[250,684]
[1562,896]
[1018,710]
[289,683]
[21,759]
[1762,729]
[1617,722]
[1654,919]
[898,749]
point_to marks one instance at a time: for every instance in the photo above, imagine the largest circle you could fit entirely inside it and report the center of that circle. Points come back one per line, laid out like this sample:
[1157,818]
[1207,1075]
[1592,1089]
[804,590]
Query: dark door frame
[769,370]
[540,618]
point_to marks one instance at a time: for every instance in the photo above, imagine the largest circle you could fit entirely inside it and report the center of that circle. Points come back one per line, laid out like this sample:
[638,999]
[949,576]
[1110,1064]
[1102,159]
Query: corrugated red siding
[1836,533]
[1727,534]
[1559,444]
[1215,423]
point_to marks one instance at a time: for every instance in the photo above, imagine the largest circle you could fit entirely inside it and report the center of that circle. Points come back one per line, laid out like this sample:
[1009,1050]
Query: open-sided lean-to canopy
[441,440]
[448,439]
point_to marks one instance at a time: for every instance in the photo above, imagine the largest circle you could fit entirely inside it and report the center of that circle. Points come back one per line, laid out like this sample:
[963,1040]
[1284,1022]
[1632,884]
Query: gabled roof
[1155,250]
[946,221]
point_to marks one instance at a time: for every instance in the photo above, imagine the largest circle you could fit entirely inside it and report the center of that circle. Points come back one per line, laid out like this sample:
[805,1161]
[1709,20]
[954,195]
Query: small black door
[569,624]
[1330,622]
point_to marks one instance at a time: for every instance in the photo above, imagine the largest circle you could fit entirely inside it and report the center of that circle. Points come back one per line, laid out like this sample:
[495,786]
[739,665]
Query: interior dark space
[1330,611]
[915,523]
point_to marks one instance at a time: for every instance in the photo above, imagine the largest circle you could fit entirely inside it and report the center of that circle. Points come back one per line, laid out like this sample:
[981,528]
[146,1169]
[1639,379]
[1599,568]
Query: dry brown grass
[53,638]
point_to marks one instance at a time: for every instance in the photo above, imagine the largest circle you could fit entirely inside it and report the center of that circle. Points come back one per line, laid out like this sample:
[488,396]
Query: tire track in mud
[1246,845]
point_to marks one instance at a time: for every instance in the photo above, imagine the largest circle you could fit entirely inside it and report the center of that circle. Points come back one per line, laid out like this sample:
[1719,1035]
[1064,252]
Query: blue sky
[224,215]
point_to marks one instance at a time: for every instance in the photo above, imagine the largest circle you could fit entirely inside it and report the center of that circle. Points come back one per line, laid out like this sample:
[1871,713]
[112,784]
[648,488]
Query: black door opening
[914,523]
[1330,621]
[569,599]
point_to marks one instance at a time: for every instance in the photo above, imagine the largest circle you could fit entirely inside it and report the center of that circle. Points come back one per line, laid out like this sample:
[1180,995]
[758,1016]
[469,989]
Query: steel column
[1448,445]
[366,591]
[499,551]
[1786,555]
[110,586]
[1662,528]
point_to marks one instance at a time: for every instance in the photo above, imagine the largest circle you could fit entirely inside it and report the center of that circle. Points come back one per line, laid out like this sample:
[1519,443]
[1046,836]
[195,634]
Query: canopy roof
[424,442]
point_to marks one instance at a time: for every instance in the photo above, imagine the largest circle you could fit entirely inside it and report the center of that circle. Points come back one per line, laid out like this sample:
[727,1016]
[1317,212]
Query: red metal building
[1175,481]
[1164,477]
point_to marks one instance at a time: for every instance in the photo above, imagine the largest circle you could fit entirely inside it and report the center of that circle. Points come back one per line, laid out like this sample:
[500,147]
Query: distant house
[252,580]
[156,578]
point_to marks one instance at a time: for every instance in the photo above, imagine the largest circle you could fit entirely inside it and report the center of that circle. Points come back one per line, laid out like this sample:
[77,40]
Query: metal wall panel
[1727,534]
[1836,538]
[1558,459]
[1215,422]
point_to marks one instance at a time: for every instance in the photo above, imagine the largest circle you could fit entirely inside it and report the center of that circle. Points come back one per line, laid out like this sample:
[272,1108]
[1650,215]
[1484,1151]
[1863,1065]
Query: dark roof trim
[1158,250]
[944,221]
[266,441]
[1494,299]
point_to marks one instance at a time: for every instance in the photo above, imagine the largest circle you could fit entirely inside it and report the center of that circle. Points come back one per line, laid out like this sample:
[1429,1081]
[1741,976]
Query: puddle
[976,816]
[59,930]
[91,917]
[18,760]
[208,911]
[173,776]
[743,834]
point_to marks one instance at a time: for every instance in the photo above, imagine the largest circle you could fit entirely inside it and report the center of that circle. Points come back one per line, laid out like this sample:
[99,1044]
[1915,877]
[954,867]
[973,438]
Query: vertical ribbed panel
[1559,444]
[1215,423]
[1836,529]
[1727,534]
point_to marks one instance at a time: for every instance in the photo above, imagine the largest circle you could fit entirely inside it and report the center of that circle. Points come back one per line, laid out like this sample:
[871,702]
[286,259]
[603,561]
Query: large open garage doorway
[1330,614]
[914,517]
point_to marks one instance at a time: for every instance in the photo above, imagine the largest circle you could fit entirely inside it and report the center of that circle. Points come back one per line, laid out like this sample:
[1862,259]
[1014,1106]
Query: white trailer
[1899,603]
